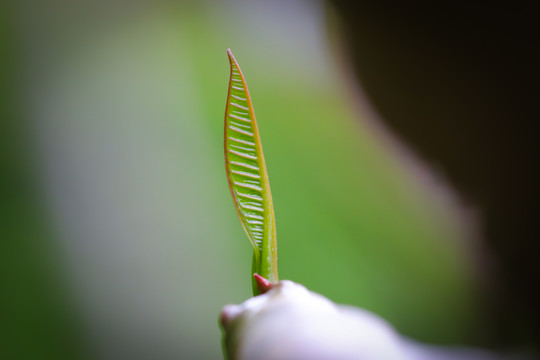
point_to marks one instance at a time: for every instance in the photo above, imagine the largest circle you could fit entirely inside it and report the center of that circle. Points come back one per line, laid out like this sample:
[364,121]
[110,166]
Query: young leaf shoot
[247,176]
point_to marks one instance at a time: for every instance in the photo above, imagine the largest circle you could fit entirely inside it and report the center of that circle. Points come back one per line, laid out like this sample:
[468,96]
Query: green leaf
[247,175]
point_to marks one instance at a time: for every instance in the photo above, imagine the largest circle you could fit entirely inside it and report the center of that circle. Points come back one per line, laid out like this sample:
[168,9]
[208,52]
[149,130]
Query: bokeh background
[119,239]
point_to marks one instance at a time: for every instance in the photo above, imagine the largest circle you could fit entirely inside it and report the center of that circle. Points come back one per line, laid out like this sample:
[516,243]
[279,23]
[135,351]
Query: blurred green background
[119,238]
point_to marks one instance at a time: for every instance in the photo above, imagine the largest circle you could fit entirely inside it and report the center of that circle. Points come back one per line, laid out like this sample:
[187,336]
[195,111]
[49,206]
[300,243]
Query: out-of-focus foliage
[36,320]
[121,241]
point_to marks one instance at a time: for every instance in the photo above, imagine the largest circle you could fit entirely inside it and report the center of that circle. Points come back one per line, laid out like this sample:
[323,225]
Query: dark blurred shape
[36,317]
[456,81]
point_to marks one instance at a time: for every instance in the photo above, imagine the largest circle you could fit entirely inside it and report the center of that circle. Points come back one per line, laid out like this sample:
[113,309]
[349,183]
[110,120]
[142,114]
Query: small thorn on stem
[262,284]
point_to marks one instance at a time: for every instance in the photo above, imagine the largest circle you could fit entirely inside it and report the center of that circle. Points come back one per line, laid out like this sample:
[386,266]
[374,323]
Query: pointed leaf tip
[232,60]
